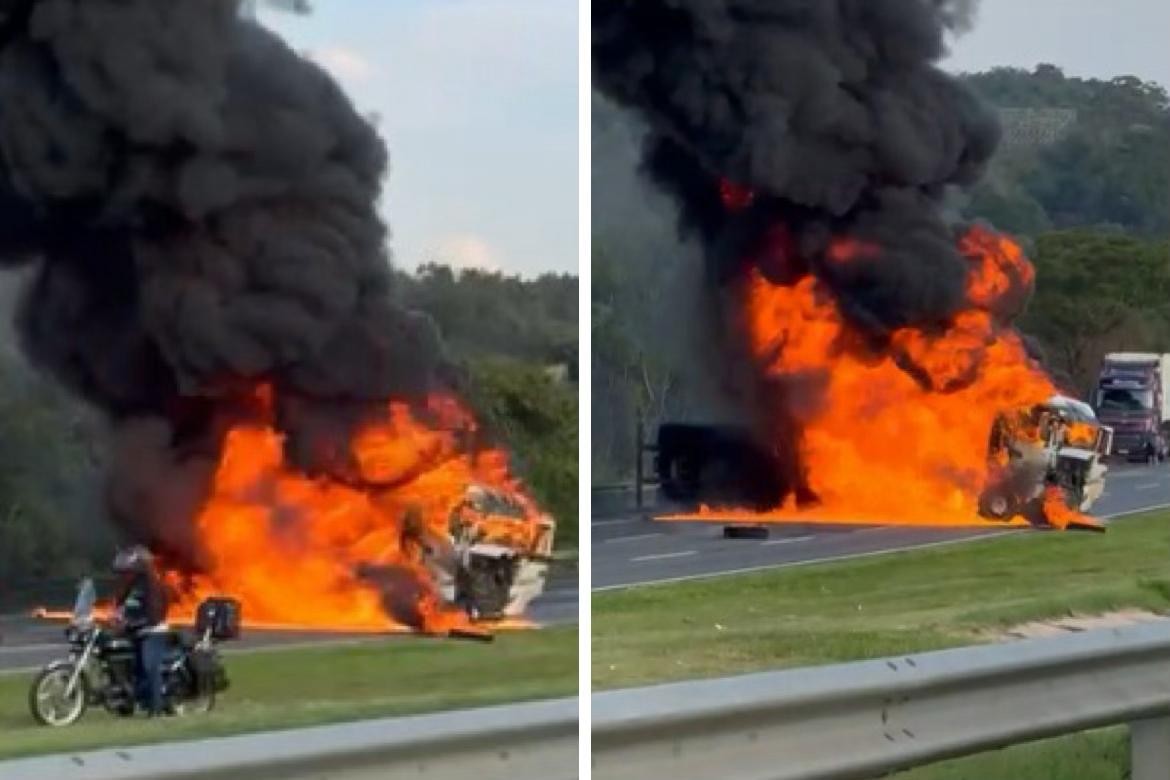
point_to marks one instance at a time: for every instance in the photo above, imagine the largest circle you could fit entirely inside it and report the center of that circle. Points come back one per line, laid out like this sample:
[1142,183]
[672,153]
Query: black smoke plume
[832,112]
[200,206]
[780,127]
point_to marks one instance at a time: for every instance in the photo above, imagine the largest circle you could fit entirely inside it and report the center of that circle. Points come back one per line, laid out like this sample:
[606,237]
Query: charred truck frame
[494,560]
[1057,444]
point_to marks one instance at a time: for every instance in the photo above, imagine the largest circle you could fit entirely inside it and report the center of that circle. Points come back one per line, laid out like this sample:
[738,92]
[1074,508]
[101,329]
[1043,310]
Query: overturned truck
[1055,448]
[1050,451]
[495,557]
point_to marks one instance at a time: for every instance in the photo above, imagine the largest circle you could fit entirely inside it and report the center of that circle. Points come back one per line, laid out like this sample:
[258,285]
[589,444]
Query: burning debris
[809,147]
[200,207]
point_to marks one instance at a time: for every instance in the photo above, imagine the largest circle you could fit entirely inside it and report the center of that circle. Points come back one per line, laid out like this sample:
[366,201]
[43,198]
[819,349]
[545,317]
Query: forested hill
[1085,153]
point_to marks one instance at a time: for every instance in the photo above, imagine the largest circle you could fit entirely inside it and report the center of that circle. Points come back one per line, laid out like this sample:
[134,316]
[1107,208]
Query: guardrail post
[638,444]
[1149,745]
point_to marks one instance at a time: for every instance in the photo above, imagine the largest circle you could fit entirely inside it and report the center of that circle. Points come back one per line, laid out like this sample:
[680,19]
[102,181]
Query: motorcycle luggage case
[209,671]
[219,615]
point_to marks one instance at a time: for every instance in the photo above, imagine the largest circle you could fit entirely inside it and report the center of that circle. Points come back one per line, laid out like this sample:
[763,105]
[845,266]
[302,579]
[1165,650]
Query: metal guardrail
[614,500]
[638,495]
[536,741]
[862,720]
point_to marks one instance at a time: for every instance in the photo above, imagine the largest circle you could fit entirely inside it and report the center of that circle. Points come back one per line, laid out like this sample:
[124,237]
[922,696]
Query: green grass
[872,607]
[1096,755]
[893,604]
[288,688]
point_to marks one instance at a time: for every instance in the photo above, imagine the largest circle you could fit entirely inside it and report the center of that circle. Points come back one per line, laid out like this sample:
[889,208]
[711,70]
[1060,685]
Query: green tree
[536,415]
[1077,153]
[1098,292]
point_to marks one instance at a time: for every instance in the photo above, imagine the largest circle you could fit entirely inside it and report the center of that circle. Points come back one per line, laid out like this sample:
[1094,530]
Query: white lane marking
[662,556]
[1138,511]
[1130,474]
[617,521]
[31,648]
[851,556]
[794,564]
[632,538]
[1147,486]
[787,540]
[878,529]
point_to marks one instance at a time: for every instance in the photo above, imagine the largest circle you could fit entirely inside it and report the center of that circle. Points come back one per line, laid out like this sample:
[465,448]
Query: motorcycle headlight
[77,634]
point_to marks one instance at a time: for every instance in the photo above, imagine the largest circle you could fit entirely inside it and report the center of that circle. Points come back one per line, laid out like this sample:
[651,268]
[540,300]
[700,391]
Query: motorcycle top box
[218,617]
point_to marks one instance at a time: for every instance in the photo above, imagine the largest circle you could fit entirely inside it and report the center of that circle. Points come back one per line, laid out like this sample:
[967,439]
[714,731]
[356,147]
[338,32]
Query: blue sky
[478,106]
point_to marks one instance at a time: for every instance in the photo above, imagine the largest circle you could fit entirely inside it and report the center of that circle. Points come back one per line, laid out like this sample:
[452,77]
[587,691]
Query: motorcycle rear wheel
[199,695]
[199,704]
[47,699]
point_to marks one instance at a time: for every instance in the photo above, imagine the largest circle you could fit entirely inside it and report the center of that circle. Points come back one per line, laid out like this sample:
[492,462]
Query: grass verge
[893,604]
[1097,755]
[305,687]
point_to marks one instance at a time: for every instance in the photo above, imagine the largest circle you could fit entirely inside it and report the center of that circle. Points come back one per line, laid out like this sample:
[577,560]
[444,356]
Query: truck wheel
[998,505]
[485,588]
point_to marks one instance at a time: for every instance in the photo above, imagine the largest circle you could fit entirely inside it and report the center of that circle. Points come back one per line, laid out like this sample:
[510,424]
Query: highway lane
[632,549]
[26,643]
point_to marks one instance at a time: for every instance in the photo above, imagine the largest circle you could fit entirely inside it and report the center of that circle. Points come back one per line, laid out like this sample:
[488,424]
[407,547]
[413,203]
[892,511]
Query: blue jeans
[151,649]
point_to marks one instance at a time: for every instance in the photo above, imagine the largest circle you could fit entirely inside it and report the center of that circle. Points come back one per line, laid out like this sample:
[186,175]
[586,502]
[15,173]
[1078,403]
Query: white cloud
[478,107]
[344,63]
[464,251]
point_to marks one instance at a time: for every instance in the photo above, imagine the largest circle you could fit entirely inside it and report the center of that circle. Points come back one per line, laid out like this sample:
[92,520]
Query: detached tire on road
[745,532]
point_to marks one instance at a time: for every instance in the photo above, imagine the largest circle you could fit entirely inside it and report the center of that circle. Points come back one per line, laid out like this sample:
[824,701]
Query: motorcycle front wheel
[49,700]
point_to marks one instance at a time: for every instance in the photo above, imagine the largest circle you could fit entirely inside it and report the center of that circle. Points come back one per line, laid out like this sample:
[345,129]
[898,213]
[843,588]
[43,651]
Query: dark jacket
[143,600]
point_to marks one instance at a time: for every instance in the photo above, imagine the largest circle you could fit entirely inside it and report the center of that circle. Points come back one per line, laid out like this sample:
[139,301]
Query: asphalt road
[27,644]
[634,550]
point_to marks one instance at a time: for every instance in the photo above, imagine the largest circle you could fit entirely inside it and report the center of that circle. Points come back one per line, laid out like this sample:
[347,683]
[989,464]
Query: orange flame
[735,197]
[1060,515]
[311,552]
[882,445]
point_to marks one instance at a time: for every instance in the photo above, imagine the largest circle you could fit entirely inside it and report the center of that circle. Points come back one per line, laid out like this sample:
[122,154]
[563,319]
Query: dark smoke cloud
[958,15]
[834,116]
[832,111]
[200,206]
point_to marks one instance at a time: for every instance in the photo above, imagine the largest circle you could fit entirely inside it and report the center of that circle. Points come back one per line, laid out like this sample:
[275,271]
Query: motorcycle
[100,669]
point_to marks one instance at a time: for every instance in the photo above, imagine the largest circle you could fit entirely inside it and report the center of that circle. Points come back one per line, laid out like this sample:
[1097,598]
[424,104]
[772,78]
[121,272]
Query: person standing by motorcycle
[141,604]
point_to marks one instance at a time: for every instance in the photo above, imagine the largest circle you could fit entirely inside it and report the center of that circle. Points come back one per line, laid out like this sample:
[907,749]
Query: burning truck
[197,208]
[1046,463]
[494,559]
[808,151]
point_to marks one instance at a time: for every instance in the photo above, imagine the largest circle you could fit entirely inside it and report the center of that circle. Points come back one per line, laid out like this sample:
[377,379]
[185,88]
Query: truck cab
[1058,445]
[1131,397]
[496,558]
